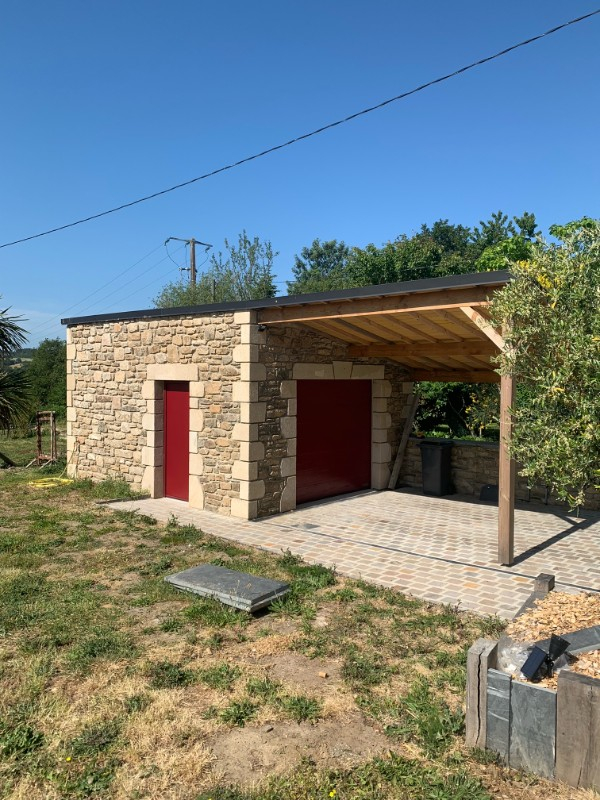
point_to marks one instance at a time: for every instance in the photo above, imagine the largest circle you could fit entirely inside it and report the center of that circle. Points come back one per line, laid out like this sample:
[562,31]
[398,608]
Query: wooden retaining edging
[554,734]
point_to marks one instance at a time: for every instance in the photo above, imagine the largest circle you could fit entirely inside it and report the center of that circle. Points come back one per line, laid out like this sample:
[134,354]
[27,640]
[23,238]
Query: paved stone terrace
[438,549]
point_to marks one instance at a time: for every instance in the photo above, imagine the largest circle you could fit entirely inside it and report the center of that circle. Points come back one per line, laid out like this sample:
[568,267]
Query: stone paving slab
[438,549]
[234,588]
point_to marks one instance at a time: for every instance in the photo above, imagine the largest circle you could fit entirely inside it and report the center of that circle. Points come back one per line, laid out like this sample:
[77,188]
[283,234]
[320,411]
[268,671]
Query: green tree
[244,272]
[320,267]
[47,375]
[14,389]
[550,314]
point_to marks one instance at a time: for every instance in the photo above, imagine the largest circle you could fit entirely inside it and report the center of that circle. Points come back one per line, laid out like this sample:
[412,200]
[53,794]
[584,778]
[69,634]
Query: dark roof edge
[380,290]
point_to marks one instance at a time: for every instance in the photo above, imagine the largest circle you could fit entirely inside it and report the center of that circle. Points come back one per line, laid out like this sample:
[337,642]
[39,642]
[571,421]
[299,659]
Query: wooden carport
[438,329]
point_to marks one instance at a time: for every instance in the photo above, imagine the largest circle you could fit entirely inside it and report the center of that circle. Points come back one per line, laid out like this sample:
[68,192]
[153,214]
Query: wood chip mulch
[560,613]
[557,613]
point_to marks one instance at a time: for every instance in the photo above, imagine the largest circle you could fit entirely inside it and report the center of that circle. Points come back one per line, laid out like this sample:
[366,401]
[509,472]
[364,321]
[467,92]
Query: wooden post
[482,656]
[413,404]
[507,475]
[193,262]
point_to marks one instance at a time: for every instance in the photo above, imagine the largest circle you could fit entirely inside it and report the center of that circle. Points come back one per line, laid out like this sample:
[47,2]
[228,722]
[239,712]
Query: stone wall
[475,464]
[114,398]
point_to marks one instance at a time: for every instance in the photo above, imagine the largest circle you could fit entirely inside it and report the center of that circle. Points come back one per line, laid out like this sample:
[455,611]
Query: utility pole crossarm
[192,243]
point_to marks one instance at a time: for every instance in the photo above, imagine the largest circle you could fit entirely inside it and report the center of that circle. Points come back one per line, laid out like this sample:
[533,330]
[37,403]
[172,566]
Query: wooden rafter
[446,349]
[402,326]
[444,333]
[483,325]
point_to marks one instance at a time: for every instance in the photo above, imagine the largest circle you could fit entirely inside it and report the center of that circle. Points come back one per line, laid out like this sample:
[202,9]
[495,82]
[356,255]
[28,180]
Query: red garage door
[334,438]
[177,439]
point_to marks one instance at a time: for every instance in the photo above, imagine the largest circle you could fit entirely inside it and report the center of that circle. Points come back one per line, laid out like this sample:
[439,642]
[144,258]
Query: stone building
[249,408]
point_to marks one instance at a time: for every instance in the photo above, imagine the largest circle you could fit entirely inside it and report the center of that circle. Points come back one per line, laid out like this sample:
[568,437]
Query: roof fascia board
[463,281]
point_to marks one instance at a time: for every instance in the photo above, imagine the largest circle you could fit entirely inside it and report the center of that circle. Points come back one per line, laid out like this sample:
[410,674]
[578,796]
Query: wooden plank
[506,474]
[480,658]
[450,375]
[441,330]
[371,325]
[413,405]
[398,304]
[456,319]
[402,326]
[578,730]
[484,326]
[330,328]
[445,349]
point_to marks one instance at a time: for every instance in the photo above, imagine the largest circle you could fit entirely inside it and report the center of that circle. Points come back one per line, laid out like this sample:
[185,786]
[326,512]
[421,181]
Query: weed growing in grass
[363,669]
[164,564]
[102,643]
[221,676]
[95,738]
[300,707]
[345,595]
[150,590]
[213,614]
[17,737]
[491,627]
[181,534]
[215,640]
[238,713]
[263,688]
[136,703]
[290,605]
[427,719]
[167,675]
[172,625]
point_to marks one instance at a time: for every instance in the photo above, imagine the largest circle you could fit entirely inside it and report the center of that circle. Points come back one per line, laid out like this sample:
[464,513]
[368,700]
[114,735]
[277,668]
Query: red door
[177,439]
[334,438]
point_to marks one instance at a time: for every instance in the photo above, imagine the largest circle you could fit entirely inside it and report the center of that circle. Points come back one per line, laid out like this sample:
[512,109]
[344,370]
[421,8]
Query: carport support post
[507,474]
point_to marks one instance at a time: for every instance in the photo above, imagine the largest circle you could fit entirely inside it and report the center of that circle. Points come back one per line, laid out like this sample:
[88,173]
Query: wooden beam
[484,326]
[506,474]
[356,307]
[446,349]
[413,405]
[451,375]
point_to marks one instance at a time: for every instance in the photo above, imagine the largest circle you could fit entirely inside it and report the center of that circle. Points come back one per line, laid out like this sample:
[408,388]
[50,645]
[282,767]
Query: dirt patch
[294,669]
[248,755]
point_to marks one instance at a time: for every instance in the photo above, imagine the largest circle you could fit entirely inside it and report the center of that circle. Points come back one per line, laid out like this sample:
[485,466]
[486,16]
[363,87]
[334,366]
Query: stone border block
[252,490]
[242,509]
[172,372]
[253,412]
[372,372]
[312,372]
[245,392]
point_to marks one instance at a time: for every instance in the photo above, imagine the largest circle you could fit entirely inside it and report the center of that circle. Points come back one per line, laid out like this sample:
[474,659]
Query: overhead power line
[50,323]
[310,134]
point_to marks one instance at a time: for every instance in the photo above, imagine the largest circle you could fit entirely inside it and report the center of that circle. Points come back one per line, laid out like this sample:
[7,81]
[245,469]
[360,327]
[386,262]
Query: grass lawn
[114,685]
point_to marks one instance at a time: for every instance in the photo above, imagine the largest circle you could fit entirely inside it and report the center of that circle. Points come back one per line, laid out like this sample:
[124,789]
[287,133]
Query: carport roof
[437,328]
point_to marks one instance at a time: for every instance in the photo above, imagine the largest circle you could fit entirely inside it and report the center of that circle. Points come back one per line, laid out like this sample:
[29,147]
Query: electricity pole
[192,243]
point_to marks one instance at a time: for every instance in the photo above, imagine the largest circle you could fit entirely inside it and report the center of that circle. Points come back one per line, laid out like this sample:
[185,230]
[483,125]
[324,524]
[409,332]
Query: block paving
[438,549]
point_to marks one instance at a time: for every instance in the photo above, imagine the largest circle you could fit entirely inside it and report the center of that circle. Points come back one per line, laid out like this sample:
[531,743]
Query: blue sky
[104,102]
